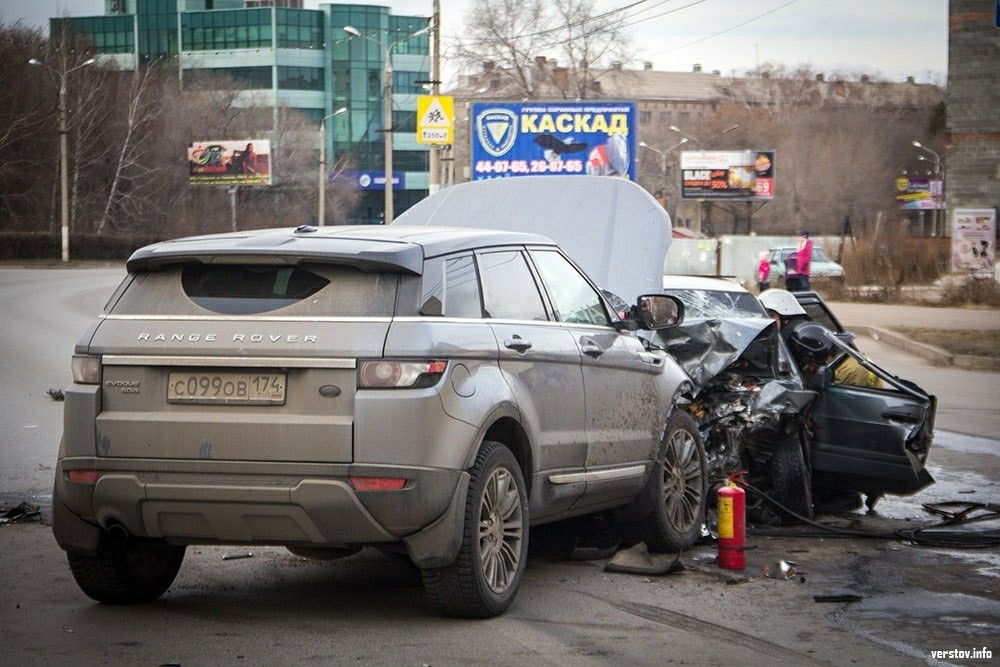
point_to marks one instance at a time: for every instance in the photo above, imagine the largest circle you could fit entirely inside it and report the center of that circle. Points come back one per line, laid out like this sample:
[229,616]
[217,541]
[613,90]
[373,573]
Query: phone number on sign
[529,167]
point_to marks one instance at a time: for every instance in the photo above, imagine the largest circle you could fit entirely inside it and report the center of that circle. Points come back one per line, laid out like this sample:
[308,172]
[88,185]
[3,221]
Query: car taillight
[377,483]
[385,374]
[86,369]
[82,476]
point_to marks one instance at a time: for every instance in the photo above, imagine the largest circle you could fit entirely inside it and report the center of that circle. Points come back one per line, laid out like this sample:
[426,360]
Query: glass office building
[290,57]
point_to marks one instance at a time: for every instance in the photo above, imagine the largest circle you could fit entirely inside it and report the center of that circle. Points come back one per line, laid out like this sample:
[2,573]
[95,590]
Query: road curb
[935,355]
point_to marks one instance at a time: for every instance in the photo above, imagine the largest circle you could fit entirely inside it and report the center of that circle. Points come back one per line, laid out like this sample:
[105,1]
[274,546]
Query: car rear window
[249,289]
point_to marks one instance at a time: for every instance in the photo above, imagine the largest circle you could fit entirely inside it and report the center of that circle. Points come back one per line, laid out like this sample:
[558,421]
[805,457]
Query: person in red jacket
[804,267]
[763,272]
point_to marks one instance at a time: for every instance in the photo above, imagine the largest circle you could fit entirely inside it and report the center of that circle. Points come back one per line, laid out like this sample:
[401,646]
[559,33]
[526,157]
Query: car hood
[706,347]
[616,231]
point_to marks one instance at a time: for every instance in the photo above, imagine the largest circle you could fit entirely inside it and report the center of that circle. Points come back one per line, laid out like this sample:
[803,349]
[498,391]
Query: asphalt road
[276,608]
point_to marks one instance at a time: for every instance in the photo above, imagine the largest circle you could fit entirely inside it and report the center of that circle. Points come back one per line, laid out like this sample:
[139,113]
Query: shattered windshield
[709,304]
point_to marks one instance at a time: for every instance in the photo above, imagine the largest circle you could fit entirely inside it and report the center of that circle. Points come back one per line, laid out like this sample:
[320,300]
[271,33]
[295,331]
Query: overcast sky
[890,38]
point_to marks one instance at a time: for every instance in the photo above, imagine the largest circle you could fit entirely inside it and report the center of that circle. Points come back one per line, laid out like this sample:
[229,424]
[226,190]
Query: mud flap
[438,544]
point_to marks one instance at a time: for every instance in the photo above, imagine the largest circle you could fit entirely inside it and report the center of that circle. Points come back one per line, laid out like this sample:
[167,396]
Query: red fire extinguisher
[732,506]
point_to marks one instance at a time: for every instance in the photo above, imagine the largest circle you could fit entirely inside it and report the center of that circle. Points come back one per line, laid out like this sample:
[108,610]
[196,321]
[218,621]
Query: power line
[730,29]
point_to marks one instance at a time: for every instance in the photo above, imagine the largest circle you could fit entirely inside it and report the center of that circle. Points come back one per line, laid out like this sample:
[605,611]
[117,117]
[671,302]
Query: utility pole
[435,157]
[63,146]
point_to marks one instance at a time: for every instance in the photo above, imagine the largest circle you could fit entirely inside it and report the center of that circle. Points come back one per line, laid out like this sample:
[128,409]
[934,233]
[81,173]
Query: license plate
[227,388]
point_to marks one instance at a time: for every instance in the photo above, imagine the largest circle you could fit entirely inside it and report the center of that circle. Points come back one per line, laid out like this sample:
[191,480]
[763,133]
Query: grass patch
[961,341]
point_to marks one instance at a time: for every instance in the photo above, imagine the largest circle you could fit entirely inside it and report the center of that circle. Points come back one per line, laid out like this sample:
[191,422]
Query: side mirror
[658,311]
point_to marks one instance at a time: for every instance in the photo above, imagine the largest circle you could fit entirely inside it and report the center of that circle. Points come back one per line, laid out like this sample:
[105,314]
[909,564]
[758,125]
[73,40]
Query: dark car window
[509,289]
[711,304]
[462,288]
[573,297]
[247,289]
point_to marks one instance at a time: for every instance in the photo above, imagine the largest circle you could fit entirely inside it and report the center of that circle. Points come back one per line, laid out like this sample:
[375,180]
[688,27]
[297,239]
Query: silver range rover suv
[436,390]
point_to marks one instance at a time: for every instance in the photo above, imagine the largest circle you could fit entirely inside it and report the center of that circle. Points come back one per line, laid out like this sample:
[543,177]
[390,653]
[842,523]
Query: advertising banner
[553,138]
[974,240]
[370,180]
[919,194]
[244,162]
[746,175]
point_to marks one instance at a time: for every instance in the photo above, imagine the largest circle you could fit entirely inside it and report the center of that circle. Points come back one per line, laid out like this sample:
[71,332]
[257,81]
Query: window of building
[645,117]
[406,82]
[300,78]
[400,27]
[404,121]
[225,30]
[107,34]
[229,78]
[299,28]
[410,160]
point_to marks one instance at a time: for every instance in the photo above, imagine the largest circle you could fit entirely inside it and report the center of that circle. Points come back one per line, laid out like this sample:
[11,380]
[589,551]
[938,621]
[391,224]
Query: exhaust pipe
[118,531]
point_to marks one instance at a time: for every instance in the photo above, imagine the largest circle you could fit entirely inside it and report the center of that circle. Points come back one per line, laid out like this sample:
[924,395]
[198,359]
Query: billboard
[244,162]
[746,175]
[919,194]
[553,138]
[974,240]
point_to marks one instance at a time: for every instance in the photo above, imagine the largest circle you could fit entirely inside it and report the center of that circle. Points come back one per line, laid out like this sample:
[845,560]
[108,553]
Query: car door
[626,405]
[540,361]
[871,439]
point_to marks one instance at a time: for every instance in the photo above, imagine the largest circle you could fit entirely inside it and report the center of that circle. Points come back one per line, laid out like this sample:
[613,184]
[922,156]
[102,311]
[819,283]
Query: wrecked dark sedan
[806,440]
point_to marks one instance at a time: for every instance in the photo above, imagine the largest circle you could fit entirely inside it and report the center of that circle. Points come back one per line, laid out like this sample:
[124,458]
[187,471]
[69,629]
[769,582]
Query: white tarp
[616,231]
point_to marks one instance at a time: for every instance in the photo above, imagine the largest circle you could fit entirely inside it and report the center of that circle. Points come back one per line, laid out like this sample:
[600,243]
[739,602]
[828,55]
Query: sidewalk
[889,315]
[877,320]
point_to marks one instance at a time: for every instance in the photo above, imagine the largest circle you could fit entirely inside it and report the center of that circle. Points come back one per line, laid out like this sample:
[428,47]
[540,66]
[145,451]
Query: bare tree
[839,141]
[28,136]
[519,45]
[132,166]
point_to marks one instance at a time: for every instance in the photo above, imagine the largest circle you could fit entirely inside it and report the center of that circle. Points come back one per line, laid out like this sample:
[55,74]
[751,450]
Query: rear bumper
[238,503]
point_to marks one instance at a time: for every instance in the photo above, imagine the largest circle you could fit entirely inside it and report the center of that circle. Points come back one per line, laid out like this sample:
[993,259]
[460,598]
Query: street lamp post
[936,161]
[387,113]
[322,165]
[663,153]
[699,141]
[63,147]
[663,156]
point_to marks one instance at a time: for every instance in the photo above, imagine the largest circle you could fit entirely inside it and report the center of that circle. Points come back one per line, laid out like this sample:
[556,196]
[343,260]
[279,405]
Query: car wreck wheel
[672,505]
[791,479]
[126,570]
[484,578]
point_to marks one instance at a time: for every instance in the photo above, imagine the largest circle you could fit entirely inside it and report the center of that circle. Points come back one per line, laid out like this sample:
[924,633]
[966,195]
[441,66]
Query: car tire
[126,570]
[483,580]
[671,507]
[791,481]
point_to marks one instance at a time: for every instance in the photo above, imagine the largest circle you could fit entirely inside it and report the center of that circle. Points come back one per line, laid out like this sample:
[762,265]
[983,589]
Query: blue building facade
[286,56]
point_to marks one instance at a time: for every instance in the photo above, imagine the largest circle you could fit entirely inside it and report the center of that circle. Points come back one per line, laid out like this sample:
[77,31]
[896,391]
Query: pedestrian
[792,283]
[804,266]
[763,272]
